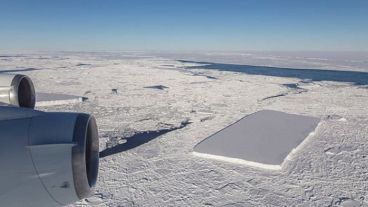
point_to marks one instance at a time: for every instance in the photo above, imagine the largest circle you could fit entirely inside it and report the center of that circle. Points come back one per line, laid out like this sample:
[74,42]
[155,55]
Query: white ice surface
[330,169]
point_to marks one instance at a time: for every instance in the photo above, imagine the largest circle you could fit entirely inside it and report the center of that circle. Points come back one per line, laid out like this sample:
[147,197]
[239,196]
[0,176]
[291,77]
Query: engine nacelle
[46,159]
[17,90]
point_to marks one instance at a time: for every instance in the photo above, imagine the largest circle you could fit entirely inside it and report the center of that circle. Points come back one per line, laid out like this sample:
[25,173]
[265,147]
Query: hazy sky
[184,25]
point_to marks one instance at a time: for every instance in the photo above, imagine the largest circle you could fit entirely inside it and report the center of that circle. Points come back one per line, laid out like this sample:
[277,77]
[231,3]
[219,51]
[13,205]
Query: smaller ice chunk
[50,99]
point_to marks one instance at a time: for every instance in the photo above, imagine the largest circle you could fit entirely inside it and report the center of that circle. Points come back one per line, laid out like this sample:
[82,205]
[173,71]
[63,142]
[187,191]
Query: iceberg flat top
[264,137]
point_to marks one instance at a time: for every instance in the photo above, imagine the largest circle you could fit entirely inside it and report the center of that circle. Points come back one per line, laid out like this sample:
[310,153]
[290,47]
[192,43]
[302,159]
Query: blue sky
[184,25]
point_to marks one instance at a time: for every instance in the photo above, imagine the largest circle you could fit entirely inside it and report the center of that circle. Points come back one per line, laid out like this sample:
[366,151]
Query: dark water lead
[139,139]
[354,77]
[18,70]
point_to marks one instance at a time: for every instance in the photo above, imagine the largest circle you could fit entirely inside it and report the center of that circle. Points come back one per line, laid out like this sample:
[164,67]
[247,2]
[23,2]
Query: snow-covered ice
[330,169]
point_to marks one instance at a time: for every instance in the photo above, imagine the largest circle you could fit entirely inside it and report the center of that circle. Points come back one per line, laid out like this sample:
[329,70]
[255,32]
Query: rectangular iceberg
[262,139]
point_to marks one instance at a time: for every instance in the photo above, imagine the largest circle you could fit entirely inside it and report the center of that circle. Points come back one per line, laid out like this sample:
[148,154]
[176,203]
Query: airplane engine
[17,90]
[46,158]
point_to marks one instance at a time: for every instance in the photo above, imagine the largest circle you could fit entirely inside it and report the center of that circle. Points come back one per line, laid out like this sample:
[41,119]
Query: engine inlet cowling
[17,90]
